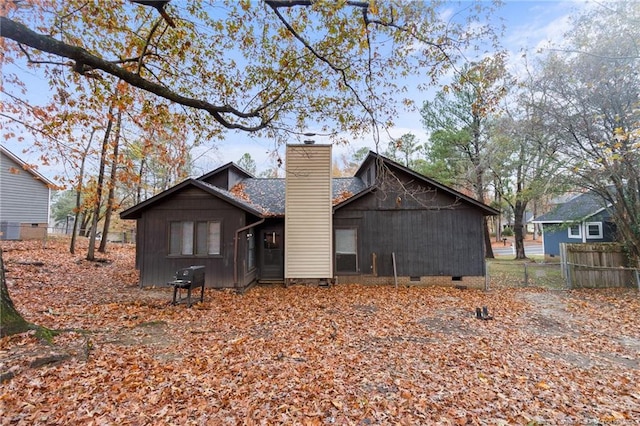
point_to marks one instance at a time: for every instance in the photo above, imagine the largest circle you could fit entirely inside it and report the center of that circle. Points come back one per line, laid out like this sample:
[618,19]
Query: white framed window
[594,230]
[188,238]
[251,250]
[346,243]
[575,231]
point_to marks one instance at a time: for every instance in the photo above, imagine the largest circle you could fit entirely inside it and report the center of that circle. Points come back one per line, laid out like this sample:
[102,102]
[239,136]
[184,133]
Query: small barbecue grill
[188,278]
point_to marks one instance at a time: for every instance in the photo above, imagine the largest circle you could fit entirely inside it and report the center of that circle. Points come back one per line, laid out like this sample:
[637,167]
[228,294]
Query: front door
[272,254]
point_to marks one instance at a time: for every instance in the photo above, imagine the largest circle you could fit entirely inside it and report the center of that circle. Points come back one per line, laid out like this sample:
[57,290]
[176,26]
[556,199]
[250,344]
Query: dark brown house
[386,224]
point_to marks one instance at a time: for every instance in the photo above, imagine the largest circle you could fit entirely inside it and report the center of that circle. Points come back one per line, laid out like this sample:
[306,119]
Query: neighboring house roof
[26,167]
[576,209]
[265,197]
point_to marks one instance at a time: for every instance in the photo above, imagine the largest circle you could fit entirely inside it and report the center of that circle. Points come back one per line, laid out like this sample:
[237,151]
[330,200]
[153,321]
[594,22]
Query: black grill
[188,278]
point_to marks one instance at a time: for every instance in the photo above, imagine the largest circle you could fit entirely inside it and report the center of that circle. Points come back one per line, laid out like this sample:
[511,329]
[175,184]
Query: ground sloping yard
[347,354]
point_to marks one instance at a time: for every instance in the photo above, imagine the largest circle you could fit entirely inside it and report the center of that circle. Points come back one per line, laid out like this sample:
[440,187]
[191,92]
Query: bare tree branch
[86,61]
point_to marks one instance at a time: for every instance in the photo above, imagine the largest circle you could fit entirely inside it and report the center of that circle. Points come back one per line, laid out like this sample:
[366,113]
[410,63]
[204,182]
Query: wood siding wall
[157,267]
[308,207]
[431,233]
[23,198]
[597,265]
[425,243]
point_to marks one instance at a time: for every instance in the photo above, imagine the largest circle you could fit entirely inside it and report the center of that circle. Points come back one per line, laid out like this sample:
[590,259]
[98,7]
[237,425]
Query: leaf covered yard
[347,354]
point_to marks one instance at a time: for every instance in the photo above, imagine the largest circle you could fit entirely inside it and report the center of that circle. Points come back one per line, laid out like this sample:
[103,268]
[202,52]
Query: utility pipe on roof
[235,248]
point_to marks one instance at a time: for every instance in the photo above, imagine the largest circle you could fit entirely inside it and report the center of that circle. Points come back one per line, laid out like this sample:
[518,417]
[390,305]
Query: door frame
[269,271]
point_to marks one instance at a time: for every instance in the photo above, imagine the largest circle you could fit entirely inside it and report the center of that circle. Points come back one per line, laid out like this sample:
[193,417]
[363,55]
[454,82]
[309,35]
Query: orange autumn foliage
[348,354]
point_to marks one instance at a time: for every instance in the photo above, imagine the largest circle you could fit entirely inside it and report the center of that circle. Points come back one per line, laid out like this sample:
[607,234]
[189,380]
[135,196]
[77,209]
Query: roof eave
[486,210]
[135,212]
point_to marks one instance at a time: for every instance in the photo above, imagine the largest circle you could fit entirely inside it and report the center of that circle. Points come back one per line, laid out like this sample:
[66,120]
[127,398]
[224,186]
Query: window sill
[193,256]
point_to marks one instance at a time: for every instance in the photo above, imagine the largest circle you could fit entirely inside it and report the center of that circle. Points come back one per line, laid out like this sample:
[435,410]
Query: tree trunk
[518,228]
[96,213]
[76,220]
[11,322]
[140,175]
[112,187]
[72,247]
[85,226]
[479,187]
[487,241]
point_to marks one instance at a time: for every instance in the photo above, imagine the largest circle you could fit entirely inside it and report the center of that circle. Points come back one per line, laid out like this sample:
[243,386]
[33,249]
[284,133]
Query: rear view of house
[24,199]
[386,224]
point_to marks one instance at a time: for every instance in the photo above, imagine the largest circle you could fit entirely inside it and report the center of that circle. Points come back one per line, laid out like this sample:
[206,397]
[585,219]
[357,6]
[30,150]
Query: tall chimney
[308,212]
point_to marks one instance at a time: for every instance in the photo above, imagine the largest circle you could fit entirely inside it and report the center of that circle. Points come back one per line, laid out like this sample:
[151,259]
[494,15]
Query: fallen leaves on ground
[348,354]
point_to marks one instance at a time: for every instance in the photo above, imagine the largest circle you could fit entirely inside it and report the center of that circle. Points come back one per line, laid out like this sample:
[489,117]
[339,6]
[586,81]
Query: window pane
[594,230]
[201,238]
[574,231]
[187,237]
[214,237]
[251,250]
[346,250]
[346,241]
[271,240]
[175,237]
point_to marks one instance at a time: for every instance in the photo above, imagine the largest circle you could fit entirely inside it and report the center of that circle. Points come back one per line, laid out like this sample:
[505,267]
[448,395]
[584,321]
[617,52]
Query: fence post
[565,267]
[486,275]
[526,275]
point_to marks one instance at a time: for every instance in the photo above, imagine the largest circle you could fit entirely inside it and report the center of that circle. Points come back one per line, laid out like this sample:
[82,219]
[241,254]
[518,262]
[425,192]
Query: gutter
[235,248]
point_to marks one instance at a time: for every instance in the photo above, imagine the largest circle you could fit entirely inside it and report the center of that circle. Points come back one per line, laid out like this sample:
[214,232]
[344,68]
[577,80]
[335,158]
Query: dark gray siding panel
[425,242]
[157,267]
[220,180]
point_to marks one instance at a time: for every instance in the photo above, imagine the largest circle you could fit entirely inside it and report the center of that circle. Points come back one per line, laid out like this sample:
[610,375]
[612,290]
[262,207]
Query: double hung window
[346,243]
[189,238]
[594,230]
[575,231]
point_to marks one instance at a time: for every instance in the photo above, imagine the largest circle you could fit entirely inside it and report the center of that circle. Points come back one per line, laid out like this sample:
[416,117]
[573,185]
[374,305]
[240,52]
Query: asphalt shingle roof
[576,209]
[268,194]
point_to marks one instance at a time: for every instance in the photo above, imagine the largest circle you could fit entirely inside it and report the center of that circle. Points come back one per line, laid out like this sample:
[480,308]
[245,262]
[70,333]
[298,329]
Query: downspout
[235,248]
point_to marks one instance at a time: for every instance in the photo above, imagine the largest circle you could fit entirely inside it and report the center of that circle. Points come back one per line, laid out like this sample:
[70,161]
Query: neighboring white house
[24,199]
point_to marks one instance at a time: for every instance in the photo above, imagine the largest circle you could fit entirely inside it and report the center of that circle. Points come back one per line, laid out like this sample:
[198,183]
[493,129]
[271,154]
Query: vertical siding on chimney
[308,212]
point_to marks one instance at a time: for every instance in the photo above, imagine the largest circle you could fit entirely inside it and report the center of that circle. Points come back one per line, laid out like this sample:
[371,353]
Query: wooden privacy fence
[597,265]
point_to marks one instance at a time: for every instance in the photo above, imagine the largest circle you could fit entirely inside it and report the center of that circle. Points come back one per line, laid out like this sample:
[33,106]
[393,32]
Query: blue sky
[529,25]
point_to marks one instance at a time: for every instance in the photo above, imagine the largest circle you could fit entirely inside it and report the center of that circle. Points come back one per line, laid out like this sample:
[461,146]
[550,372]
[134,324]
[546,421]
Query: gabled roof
[372,157]
[265,197]
[136,211]
[230,165]
[576,209]
[26,167]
